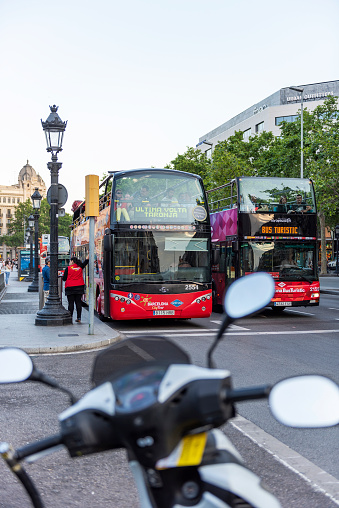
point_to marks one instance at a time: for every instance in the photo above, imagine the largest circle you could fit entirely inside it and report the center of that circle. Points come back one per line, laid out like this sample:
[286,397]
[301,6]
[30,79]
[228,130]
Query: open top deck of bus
[152,238]
[266,224]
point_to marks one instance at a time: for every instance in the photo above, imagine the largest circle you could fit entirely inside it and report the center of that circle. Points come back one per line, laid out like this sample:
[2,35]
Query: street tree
[269,155]
[192,161]
[18,224]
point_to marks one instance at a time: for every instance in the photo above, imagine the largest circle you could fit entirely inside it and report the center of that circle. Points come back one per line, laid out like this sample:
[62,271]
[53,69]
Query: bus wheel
[278,310]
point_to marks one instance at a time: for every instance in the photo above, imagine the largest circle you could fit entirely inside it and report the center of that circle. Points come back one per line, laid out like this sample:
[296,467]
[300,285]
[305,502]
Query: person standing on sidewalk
[74,285]
[7,271]
[45,275]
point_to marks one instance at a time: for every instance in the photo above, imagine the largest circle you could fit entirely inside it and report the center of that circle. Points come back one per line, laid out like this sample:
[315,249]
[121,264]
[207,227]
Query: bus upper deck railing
[104,202]
[222,197]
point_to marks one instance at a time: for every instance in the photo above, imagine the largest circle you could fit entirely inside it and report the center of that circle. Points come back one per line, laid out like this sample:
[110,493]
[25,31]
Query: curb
[73,348]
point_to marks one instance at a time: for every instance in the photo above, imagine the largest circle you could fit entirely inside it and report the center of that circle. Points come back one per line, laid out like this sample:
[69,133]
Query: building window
[260,127]
[246,134]
[18,200]
[13,200]
[280,119]
[4,200]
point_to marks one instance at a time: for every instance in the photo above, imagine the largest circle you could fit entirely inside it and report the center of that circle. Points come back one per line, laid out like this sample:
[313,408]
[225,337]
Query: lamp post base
[53,314]
[34,287]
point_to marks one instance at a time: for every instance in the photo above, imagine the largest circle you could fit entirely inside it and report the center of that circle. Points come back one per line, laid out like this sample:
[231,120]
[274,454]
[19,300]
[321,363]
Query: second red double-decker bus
[266,224]
[152,246]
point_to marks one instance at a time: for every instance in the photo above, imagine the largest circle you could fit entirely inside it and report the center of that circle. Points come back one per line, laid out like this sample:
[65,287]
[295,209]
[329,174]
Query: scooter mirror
[15,365]
[249,294]
[305,401]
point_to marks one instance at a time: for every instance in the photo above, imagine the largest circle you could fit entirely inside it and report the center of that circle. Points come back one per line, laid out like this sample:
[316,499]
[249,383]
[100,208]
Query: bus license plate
[163,312]
[283,304]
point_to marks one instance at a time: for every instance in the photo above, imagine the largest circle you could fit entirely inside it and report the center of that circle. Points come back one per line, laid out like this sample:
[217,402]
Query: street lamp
[30,230]
[53,313]
[36,200]
[206,143]
[301,90]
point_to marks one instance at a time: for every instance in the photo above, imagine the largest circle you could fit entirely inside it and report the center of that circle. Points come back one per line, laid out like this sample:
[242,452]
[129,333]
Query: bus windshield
[285,195]
[151,256]
[284,260]
[151,197]
[63,245]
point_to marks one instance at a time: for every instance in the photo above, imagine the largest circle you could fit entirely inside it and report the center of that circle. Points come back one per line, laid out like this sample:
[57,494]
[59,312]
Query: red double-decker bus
[266,224]
[152,246]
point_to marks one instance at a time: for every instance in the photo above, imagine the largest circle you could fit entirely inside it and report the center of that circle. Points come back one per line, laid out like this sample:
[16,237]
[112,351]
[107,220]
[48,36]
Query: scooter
[150,400]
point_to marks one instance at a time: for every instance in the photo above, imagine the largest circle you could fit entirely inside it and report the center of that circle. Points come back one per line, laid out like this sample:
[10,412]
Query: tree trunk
[323,257]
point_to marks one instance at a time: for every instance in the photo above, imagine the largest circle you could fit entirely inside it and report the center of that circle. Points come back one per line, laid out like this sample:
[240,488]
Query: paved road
[261,349]
[265,349]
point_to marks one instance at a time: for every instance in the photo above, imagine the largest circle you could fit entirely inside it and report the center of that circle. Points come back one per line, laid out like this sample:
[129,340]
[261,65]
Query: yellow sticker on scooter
[193,447]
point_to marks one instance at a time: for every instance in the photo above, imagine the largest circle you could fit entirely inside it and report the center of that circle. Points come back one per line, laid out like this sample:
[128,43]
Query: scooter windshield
[133,353]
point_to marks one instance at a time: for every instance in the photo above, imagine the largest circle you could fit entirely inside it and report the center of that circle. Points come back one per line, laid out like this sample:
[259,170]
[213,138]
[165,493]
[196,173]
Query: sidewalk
[18,310]
[329,284]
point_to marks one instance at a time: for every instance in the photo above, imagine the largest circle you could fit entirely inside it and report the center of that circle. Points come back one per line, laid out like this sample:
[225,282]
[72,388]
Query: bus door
[224,258]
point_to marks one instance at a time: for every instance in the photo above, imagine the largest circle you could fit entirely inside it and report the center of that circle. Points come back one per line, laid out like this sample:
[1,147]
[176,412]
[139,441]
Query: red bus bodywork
[240,239]
[122,271]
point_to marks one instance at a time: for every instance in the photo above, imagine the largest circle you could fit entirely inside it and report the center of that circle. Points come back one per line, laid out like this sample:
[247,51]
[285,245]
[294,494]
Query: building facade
[268,114]
[12,195]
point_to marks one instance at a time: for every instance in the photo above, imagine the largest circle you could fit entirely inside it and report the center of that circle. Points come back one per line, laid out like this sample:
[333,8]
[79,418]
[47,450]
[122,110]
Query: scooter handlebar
[38,446]
[242,394]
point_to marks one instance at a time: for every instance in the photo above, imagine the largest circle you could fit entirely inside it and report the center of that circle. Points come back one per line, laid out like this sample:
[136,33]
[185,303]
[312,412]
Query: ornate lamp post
[30,231]
[53,313]
[36,200]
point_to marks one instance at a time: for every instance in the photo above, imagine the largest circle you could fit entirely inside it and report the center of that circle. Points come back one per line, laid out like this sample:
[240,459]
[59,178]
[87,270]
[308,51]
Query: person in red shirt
[75,285]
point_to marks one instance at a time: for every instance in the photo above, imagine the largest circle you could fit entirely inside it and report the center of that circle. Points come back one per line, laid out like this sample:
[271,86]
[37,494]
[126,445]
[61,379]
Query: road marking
[176,330]
[206,332]
[233,327]
[319,479]
[300,312]
[332,308]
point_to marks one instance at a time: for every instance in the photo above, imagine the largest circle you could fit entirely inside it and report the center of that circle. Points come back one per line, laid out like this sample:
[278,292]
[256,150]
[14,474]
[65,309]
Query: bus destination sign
[274,225]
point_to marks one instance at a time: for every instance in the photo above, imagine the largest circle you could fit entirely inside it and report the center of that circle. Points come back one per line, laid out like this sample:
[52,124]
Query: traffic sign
[62,194]
[45,239]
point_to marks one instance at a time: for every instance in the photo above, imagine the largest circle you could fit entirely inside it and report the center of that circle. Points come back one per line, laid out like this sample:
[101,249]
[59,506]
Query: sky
[139,81]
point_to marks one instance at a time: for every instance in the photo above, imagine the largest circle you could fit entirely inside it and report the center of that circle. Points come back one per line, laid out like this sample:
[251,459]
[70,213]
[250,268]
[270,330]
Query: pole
[92,211]
[91,277]
[302,137]
[53,313]
[53,280]
[31,275]
[34,287]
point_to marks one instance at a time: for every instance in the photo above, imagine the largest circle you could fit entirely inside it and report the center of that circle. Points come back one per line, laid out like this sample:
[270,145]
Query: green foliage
[267,155]
[323,159]
[109,186]
[16,228]
[192,161]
